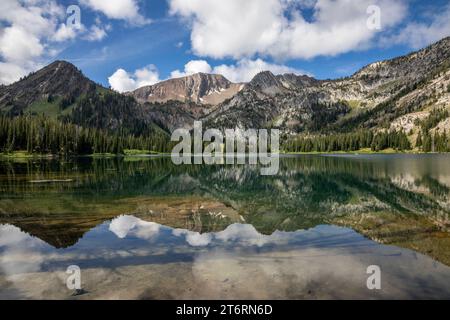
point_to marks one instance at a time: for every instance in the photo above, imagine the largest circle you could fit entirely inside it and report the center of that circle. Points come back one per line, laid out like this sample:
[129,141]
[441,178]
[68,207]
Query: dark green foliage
[419,142]
[441,142]
[323,113]
[396,140]
[433,142]
[50,98]
[437,142]
[110,111]
[46,136]
[66,101]
[436,116]
[349,142]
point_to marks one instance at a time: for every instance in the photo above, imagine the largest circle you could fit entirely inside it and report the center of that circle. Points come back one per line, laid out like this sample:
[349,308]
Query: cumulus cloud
[420,34]
[127,10]
[10,72]
[123,81]
[192,67]
[26,27]
[243,71]
[31,33]
[17,44]
[278,28]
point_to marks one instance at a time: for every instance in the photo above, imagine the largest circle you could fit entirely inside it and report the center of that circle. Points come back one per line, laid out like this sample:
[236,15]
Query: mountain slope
[372,98]
[397,94]
[61,91]
[288,102]
[396,88]
[59,83]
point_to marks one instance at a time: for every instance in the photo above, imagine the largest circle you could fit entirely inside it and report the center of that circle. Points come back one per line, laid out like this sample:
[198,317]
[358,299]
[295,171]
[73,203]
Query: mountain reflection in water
[144,228]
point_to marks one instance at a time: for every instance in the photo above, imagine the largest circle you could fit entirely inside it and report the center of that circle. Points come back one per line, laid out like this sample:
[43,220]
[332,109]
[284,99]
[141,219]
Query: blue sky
[142,42]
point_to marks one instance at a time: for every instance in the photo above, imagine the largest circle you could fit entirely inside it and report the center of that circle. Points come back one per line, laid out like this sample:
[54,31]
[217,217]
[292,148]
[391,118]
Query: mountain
[44,89]
[61,91]
[382,95]
[199,88]
[288,102]
[405,93]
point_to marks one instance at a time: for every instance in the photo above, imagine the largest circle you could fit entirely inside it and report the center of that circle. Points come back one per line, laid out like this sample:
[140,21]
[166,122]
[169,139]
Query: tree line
[41,135]
[428,141]
[349,142]
[433,142]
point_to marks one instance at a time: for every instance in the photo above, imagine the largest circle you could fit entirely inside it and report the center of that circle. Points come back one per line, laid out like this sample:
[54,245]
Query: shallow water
[144,228]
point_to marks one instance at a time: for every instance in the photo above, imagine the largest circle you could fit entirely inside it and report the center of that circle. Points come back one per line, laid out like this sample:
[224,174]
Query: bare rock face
[199,88]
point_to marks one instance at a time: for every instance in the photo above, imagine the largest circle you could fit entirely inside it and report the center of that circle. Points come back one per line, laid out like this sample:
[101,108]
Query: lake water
[142,228]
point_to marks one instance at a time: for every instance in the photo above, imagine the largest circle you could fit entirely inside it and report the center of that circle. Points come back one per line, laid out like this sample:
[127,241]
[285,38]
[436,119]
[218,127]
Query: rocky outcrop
[199,88]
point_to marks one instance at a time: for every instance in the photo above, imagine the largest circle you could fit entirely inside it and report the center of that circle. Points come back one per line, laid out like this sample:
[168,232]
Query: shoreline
[145,153]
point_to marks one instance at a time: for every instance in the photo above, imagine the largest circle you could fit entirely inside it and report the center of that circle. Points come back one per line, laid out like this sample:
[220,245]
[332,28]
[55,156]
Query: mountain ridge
[384,95]
[58,79]
[395,87]
[202,88]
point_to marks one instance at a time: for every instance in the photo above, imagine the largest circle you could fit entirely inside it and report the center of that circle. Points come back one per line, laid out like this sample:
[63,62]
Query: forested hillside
[41,135]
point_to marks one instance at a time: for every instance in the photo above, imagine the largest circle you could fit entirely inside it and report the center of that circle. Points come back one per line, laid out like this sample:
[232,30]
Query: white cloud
[192,67]
[16,44]
[127,10]
[28,27]
[243,71]
[418,35]
[96,33]
[32,32]
[65,33]
[10,72]
[238,29]
[122,81]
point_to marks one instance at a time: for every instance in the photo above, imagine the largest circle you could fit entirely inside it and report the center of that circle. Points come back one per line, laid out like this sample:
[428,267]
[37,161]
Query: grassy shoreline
[363,151]
[27,155]
[144,153]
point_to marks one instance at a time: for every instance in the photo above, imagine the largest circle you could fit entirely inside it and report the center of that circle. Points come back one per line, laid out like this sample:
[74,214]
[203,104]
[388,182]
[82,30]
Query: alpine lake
[143,228]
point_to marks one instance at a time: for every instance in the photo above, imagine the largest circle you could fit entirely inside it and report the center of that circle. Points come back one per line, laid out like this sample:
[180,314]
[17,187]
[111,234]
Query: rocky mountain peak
[293,81]
[271,84]
[58,79]
[199,88]
[264,80]
[410,67]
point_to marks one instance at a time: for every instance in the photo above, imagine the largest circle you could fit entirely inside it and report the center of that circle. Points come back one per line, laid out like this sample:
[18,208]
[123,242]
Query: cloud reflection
[20,253]
[126,226]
